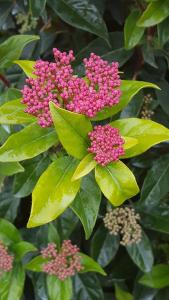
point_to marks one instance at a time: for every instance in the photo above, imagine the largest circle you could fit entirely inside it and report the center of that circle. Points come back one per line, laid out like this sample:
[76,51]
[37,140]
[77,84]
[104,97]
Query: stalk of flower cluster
[124,221]
[6,260]
[106,144]
[64,263]
[56,82]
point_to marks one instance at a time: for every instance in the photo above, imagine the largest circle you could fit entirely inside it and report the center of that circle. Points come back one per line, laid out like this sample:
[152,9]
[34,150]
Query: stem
[4,80]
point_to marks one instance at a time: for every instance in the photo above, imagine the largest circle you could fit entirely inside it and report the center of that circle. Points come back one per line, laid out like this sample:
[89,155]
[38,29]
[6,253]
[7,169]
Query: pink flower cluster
[64,263]
[55,82]
[6,260]
[106,144]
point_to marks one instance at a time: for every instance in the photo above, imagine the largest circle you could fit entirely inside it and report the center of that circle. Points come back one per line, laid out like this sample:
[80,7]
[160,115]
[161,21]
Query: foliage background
[108,28]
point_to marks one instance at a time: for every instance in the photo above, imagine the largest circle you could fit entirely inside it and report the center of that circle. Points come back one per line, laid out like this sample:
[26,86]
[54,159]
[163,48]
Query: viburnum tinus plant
[65,113]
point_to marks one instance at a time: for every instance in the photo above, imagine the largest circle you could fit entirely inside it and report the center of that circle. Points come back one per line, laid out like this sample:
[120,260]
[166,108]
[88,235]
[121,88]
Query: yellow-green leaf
[86,165]
[27,66]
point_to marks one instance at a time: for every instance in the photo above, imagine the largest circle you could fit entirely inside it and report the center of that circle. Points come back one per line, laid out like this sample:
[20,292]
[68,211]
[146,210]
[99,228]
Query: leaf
[86,204]
[53,235]
[155,13]
[129,142]
[10,94]
[13,113]
[158,278]
[83,15]
[24,185]
[89,265]
[54,192]
[163,32]
[116,182]
[12,48]
[141,254]
[129,89]
[132,33]
[22,248]
[147,132]
[86,165]
[162,95]
[27,66]
[121,294]
[104,246]
[72,130]
[27,143]
[8,232]
[83,287]
[36,264]
[37,7]
[12,284]
[155,186]
[57,289]
[11,168]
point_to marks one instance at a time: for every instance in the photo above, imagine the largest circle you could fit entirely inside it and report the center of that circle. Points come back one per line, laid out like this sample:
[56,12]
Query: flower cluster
[123,221]
[26,22]
[6,260]
[64,263]
[146,111]
[106,144]
[56,82]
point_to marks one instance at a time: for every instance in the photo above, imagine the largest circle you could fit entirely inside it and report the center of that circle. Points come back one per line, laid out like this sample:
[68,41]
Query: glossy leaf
[86,204]
[121,294]
[8,232]
[22,248]
[36,7]
[82,15]
[155,13]
[129,142]
[89,265]
[11,168]
[12,48]
[116,182]
[132,32]
[162,95]
[13,113]
[53,235]
[141,254]
[27,143]
[155,185]
[104,246]
[54,192]
[129,89]
[27,66]
[163,32]
[86,165]
[23,185]
[72,130]
[36,264]
[158,278]
[57,289]
[147,132]
[12,284]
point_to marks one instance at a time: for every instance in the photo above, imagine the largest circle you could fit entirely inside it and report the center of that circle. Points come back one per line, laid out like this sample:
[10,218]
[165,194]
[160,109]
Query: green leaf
[54,191]
[12,48]
[12,284]
[36,264]
[116,182]
[8,232]
[27,143]
[22,248]
[86,165]
[147,132]
[53,235]
[129,89]
[86,204]
[82,15]
[121,294]
[90,265]
[10,94]
[57,289]
[129,142]
[155,186]
[27,66]
[104,246]
[11,168]
[37,7]
[24,185]
[13,113]
[163,32]
[155,13]
[162,95]
[132,33]
[158,278]
[141,254]
[87,287]
[72,130]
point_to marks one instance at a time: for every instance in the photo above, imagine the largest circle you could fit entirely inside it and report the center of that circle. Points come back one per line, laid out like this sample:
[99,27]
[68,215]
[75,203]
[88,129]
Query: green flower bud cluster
[146,112]
[124,221]
[26,22]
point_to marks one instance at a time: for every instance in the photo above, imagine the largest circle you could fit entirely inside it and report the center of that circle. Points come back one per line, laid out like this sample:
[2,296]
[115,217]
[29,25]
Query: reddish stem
[4,80]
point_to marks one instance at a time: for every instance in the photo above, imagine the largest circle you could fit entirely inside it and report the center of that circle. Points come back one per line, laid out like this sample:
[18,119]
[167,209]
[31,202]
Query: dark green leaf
[11,168]
[158,278]
[132,32]
[86,204]
[37,7]
[162,95]
[163,33]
